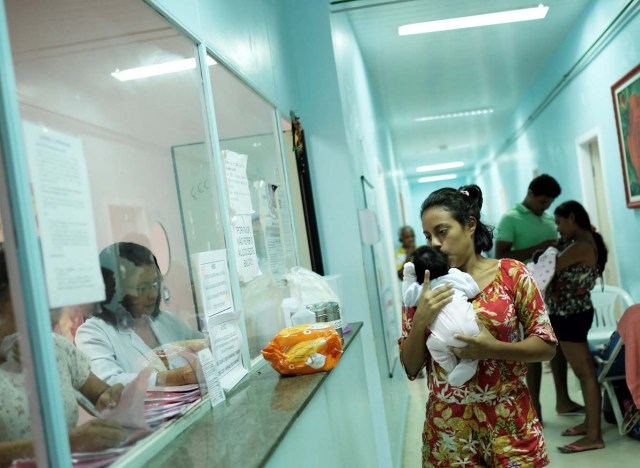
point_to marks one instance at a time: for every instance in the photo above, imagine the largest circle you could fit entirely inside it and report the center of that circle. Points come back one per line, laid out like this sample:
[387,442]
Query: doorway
[594,197]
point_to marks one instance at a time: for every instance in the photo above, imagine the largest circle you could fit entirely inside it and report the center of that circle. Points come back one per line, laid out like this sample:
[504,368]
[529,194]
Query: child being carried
[457,317]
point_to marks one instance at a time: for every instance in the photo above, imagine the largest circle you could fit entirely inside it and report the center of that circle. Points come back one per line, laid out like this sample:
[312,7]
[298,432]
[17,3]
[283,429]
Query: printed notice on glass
[235,169]
[213,284]
[65,216]
[226,344]
[270,223]
[210,372]
[245,248]
[286,228]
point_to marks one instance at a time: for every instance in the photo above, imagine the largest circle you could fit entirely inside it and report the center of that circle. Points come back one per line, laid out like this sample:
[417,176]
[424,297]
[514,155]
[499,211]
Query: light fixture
[501,17]
[447,148]
[158,69]
[437,178]
[439,167]
[454,115]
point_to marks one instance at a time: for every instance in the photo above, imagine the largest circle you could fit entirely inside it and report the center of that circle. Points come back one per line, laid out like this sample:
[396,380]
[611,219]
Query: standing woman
[488,421]
[568,297]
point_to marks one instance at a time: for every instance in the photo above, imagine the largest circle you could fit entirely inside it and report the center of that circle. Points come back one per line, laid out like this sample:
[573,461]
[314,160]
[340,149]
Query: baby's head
[427,258]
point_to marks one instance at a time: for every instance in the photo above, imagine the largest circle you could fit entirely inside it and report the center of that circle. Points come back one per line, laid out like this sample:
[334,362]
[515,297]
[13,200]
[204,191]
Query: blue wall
[584,106]
[549,144]
[371,155]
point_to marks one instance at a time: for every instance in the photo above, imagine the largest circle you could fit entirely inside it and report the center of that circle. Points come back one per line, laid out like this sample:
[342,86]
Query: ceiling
[452,71]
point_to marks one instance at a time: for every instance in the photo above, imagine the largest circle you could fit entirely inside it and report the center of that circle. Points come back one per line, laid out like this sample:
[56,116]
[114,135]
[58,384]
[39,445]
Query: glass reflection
[129,330]
[75,379]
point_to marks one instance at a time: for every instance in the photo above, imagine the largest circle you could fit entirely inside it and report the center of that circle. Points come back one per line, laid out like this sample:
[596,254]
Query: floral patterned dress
[489,421]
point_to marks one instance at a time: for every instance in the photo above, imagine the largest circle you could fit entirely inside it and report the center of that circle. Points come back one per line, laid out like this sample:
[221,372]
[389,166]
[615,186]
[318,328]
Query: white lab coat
[118,354]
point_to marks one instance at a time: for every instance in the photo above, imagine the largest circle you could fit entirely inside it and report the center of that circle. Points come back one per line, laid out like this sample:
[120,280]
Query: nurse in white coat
[129,325]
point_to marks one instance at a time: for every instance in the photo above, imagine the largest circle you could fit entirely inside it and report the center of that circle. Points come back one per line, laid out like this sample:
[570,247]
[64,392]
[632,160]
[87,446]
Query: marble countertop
[246,428]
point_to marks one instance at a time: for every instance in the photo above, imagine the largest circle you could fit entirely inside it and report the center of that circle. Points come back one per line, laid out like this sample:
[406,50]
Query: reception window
[127,183]
[259,207]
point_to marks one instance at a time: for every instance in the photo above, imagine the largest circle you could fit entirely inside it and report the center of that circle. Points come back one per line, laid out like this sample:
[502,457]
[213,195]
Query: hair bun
[474,193]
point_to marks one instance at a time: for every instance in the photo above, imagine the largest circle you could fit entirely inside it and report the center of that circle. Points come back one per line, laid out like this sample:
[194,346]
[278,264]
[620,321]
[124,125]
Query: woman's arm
[184,375]
[94,339]
[485,346]
[93,436]
[578,252]
[14,450]
[101,394]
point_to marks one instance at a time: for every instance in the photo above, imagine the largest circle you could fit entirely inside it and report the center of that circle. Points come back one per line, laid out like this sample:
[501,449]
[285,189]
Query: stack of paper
[165,403]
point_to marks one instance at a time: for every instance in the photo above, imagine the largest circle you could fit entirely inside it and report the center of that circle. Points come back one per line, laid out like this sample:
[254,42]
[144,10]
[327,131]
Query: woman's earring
[165,294]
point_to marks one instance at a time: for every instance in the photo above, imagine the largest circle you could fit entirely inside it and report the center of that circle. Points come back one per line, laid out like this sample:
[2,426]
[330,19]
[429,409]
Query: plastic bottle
[303,317]
[290,306]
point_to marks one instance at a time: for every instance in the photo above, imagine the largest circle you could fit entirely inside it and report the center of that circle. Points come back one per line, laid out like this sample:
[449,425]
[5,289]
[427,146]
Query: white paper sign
[369,232]
[226,344]
[210,372]
[65,216]
[235,169]
[286,228]
[245,248]
[213,282]
[271,229]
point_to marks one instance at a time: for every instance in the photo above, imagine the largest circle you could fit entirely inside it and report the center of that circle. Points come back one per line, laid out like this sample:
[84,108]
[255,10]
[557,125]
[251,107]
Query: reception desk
[320,419]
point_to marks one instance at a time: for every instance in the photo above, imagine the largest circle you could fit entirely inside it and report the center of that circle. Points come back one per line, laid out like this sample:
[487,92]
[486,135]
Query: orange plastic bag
[304,349]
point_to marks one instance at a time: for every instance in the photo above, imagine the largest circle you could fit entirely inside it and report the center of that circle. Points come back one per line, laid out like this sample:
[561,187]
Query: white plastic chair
[605,302]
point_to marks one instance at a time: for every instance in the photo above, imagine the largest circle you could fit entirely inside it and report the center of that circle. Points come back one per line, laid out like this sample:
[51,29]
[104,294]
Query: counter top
[242,431]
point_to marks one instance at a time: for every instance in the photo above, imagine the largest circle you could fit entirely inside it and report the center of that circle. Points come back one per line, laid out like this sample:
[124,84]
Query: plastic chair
[605,322]
[610,368]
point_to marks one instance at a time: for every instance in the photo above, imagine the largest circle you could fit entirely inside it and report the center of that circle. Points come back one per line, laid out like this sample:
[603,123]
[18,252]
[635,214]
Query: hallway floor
[620,451]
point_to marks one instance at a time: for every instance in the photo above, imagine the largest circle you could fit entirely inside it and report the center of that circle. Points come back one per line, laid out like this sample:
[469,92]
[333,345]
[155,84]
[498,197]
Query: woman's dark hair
[463,204]
[134,253]
[581,217]
[428,258]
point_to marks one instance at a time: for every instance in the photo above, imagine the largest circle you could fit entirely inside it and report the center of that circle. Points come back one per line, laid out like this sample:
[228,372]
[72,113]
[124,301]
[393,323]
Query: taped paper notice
[65,216]
[245,248]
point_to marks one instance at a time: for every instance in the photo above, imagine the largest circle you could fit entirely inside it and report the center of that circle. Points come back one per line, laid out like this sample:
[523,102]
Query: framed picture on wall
[626,104]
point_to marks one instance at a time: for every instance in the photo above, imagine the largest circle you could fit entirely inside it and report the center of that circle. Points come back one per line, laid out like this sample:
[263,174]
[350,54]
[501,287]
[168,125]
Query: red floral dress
[489,421]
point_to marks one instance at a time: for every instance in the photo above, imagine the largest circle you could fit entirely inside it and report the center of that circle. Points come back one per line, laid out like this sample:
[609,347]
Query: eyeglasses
[145,288]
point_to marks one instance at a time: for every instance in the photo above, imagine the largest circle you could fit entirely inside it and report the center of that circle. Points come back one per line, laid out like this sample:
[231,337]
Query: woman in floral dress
[488,421]
[568,297]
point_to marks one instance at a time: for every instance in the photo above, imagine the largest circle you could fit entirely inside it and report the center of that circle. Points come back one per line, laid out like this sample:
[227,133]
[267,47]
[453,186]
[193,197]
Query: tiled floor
[621,451]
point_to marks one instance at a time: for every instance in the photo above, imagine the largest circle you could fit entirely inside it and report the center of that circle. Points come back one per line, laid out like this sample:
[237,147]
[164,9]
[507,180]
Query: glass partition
[258,201]
[111,101]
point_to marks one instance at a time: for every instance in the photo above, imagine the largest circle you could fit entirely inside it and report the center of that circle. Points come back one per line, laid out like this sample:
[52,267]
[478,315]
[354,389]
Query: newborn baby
[457,317]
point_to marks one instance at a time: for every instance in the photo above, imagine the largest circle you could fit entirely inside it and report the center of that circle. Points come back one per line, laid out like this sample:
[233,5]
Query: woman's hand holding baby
[481,346]
[431,302]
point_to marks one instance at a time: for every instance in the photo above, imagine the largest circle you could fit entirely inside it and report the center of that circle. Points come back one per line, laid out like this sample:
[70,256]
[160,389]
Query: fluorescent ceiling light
[437,178]
[454,115]
[439,167]
[502,17]
[159,69]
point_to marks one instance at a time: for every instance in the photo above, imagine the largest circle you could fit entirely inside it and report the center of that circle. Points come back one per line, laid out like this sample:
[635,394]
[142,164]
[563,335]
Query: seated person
[126,328]
[74,374]
[457,317]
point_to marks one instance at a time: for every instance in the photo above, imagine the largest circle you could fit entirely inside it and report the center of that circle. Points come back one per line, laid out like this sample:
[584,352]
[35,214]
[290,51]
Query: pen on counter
[87,405]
